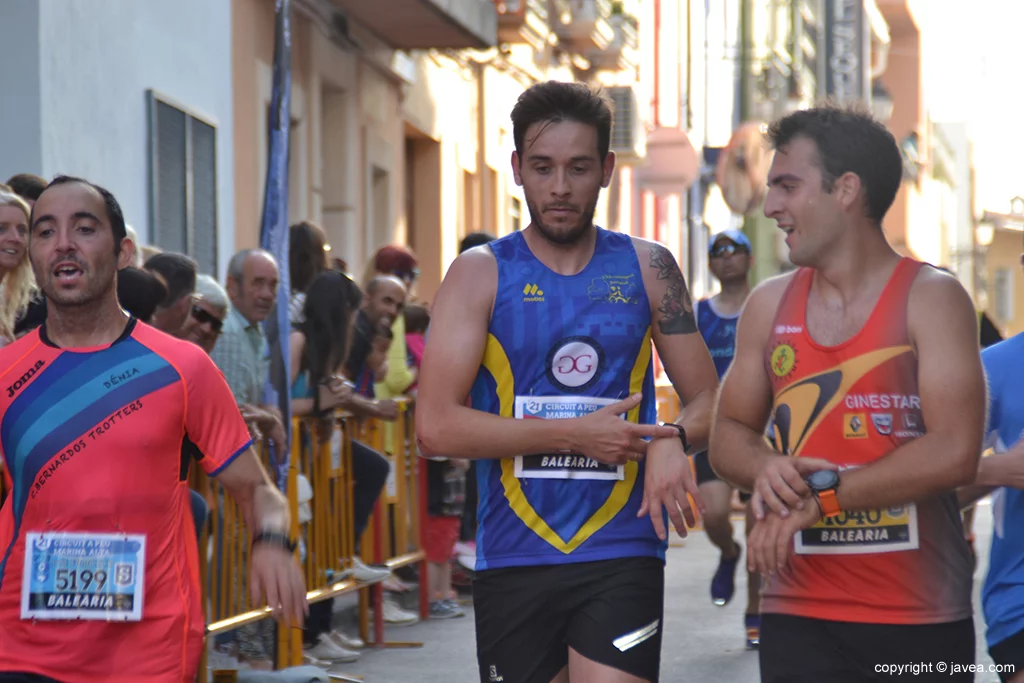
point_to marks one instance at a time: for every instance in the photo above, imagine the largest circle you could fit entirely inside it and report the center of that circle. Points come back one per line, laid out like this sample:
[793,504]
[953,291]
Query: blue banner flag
[274,228]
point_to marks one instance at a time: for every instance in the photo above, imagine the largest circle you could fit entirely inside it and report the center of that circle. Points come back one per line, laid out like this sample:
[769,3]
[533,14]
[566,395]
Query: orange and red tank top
[852,404]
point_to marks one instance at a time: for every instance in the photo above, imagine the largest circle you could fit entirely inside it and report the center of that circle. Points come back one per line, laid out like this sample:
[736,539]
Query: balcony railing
[522,21]
[621,52]
[583,25]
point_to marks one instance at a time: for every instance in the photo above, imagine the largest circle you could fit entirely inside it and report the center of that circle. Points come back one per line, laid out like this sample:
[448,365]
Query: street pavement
[701,642]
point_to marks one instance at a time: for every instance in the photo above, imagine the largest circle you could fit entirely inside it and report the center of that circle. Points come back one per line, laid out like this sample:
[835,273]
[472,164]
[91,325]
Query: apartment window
[1004,294]
[183,182]
[515,212]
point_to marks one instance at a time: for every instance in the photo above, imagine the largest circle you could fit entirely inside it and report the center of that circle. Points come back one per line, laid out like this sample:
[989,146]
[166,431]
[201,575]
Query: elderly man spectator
[206,317]
[243,355]
[242,352]
[179,272]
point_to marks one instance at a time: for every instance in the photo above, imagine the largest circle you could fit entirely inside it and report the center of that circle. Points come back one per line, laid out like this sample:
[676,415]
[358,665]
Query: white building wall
[19,89]
[961,239]
[93,63]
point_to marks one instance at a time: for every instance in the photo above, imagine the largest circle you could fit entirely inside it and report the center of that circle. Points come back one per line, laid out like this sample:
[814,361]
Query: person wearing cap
[730,257]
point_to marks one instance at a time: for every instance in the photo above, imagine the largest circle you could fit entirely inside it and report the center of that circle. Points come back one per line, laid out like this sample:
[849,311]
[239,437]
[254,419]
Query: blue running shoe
[753,624]
[723,583]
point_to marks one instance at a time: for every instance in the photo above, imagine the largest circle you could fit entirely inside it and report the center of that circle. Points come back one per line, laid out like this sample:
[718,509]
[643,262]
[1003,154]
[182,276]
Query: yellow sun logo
[783,360]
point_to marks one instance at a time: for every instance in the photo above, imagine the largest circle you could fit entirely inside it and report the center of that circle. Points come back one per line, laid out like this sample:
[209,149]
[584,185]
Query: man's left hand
[771,540]
[274,574]
[668,480]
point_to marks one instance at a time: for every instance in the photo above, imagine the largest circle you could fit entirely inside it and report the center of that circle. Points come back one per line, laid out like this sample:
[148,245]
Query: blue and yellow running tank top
[561,347]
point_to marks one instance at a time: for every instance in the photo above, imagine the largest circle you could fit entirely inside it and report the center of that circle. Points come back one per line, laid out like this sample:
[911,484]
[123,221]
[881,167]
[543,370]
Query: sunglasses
[407,274]
[727,249]
[204,317]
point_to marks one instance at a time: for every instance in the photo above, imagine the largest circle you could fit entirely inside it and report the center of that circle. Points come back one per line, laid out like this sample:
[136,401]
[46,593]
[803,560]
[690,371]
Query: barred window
[183,182]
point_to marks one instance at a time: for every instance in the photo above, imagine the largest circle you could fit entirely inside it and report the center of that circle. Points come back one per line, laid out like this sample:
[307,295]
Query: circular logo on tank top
[575,363]
[783,360]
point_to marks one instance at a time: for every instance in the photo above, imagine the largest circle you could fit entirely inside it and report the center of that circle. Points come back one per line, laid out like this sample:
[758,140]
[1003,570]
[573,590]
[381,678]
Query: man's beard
[571,235]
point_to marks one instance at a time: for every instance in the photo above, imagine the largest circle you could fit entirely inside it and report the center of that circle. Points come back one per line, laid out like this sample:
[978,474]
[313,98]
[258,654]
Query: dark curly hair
[849,140]
[554,102]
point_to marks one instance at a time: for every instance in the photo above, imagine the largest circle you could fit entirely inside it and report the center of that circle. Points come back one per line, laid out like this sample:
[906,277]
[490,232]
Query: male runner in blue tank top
[1002,475]
[549,331]
[729,259]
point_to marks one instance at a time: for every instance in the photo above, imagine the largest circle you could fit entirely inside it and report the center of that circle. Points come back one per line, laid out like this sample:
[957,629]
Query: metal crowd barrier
[322,453]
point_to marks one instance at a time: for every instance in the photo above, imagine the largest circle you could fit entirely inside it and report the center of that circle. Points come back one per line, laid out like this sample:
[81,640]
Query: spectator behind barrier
[243,355]
[140,291]
[18,283]
[307,258]
[179,272]
[417,318]
[319,347]
[28,186]
[138,259]
[207,315]
[397,261]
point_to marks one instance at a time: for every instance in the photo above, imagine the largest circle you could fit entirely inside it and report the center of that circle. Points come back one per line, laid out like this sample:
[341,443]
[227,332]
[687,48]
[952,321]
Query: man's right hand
[781,487]
[387,410]
[606,437]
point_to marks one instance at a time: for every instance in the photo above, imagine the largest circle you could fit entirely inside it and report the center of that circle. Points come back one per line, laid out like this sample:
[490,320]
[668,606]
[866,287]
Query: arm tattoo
[676,307]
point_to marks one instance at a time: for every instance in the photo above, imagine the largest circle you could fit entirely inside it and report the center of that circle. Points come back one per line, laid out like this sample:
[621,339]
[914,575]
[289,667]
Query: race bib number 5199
[83,576]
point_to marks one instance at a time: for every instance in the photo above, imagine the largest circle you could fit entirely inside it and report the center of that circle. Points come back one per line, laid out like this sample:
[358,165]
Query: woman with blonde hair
[17,284]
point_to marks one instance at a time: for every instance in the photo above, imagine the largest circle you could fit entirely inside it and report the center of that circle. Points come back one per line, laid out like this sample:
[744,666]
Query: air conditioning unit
[629,139]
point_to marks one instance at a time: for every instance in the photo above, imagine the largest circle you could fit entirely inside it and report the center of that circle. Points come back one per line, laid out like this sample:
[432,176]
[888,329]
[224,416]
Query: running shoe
[723,583]
[752,622]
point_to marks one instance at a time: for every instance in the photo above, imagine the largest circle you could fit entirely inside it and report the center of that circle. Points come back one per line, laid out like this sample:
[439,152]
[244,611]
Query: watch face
[823,480]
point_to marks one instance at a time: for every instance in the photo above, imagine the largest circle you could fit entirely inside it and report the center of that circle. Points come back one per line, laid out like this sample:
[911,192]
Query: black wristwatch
[682,433]
[280,539]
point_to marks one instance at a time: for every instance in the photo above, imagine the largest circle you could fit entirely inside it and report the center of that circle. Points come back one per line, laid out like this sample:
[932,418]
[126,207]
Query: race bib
[562,465]
[97,577]
[866,532]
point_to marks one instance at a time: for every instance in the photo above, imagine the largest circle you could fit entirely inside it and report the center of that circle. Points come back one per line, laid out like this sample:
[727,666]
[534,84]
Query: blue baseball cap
[737,237]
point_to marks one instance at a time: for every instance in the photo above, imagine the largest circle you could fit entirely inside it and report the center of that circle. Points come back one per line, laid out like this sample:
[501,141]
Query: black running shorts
[7,677]
[702,466]
[1009,655]
[802,650]
[610,611]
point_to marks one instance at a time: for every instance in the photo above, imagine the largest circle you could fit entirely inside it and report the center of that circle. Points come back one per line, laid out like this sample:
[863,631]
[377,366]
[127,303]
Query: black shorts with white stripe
[609,611]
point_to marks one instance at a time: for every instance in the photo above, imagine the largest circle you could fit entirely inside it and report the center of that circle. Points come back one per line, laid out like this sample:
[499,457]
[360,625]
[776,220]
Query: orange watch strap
[829,503]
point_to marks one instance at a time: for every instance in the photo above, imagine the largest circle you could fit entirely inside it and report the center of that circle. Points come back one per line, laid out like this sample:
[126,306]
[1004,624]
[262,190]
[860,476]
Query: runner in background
[730,259]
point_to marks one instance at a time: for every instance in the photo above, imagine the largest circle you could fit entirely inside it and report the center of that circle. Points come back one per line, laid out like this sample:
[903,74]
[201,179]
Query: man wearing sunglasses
[730,260]
[207,314]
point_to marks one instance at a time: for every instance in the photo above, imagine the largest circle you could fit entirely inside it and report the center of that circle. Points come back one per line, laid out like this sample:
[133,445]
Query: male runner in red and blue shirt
[99,417]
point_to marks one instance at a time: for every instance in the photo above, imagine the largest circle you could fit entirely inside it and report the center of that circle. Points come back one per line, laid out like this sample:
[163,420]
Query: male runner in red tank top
[867,366]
